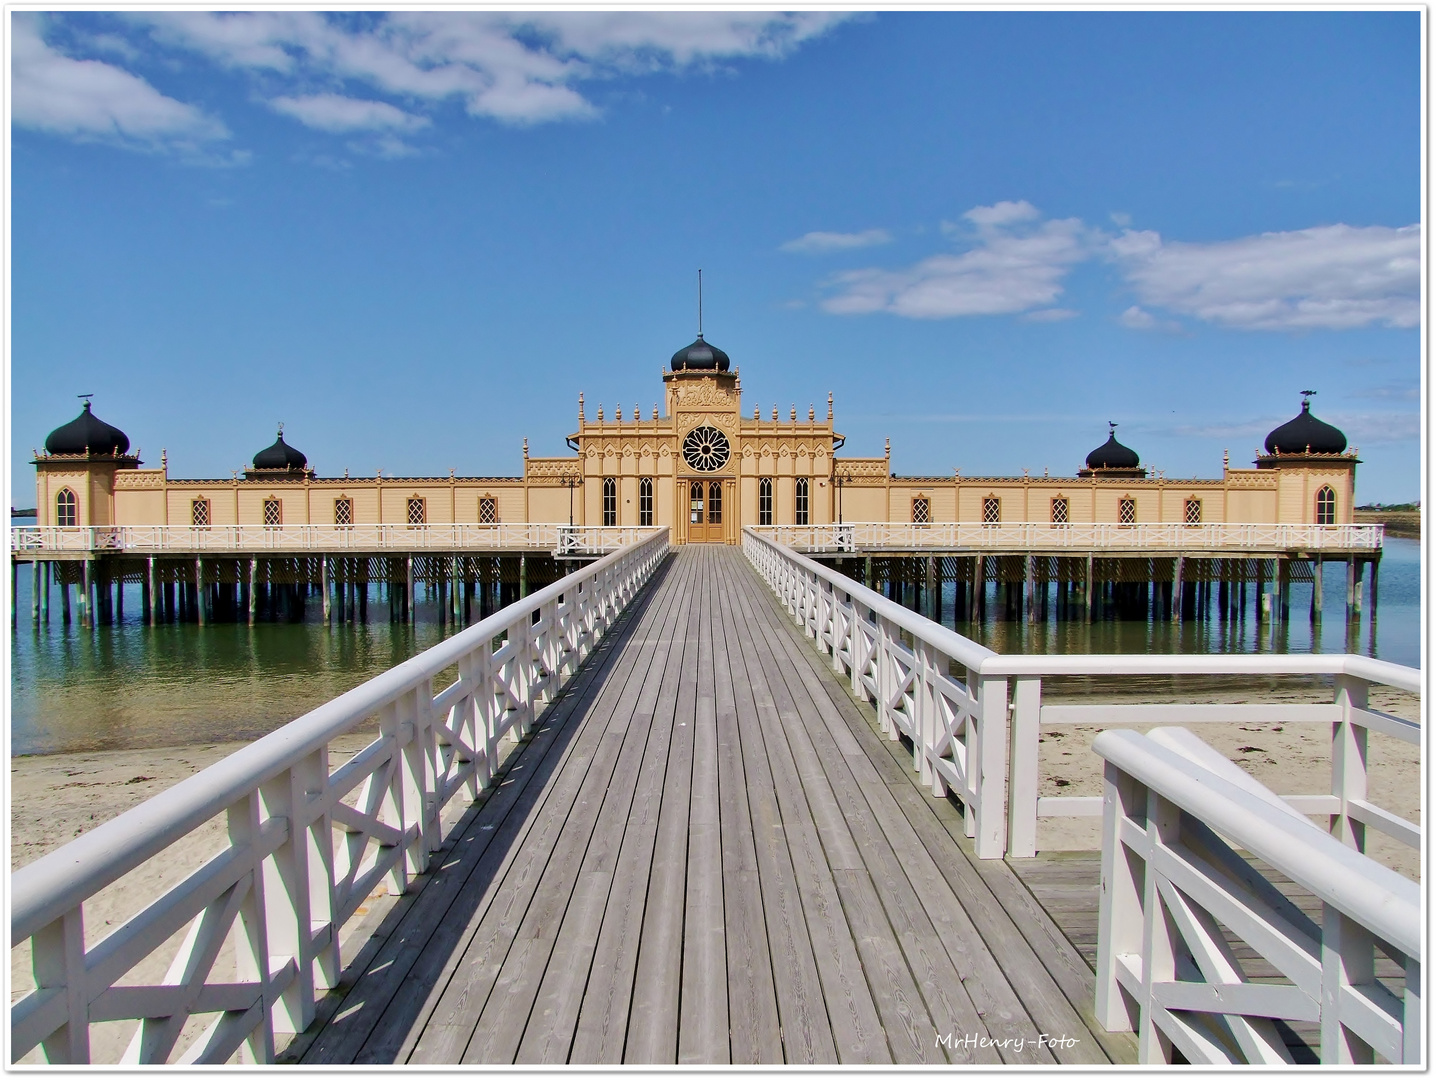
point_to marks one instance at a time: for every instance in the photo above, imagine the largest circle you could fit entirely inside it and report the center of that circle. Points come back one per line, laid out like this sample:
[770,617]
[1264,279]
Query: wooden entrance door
[705,511]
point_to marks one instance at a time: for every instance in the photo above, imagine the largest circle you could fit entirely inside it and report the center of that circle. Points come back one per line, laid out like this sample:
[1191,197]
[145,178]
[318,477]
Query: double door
[705,512]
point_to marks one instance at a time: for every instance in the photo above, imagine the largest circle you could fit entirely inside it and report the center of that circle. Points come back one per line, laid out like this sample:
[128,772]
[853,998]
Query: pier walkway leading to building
[707,854]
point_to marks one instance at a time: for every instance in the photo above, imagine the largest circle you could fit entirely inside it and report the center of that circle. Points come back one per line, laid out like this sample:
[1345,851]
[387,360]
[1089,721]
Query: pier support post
[1351,609]
[1316,589]
[65,603]
[523,576]
[362,584]
[324,587]
[199,592]
[1087,598]
[147,593]
[409,589]
[119,615]
[1177,569]
[253,589]
[1029,589]
[1283,589]
[934,593]
[1375,566]
[35,599]
[86,584]
[45,593]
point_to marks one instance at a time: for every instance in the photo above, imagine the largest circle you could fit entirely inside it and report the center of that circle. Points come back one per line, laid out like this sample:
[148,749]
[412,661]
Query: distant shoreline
[1402,523]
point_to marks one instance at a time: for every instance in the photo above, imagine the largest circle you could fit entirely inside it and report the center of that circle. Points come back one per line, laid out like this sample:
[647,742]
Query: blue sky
[416,238]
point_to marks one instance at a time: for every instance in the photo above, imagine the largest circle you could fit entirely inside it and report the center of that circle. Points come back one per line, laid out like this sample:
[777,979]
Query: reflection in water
[131,686]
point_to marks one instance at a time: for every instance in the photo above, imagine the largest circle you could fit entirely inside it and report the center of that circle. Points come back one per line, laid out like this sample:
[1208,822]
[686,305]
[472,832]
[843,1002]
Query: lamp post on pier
[570,481]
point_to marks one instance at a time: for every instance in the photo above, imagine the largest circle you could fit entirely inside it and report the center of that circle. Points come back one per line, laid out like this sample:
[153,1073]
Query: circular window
[705,449]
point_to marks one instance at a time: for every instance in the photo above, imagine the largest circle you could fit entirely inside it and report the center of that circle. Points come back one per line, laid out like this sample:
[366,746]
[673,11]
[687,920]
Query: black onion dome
[1305,434]
[87,434]
[1113,455]
[700,356]
[280,456]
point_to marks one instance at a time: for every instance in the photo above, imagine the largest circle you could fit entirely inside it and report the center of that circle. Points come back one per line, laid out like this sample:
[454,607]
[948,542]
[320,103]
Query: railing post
[251,936]
[1022,797]
[1159,954]
[924,693]
[1348,959]
[1119,910]
[991,767]
[58,959]
[1348,761]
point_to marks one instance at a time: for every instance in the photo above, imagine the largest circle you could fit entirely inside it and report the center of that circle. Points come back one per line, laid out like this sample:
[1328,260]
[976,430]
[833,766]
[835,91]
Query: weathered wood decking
[707,854]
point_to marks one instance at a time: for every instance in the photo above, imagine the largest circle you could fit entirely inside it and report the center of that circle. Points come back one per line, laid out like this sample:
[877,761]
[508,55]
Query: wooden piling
[253,589]
[15,590]
[86,604]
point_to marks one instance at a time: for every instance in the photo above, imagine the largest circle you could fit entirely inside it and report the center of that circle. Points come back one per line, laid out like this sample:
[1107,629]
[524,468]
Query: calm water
[133,686]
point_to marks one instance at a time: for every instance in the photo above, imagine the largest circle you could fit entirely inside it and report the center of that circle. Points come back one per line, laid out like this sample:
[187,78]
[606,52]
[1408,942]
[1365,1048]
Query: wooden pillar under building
[934,595]
[1029,589]
[362,584]
[199,595]
[868,571]
[48,575]
[119,597]
[1087,598]
[324,587]
[523,576]
[1283,589]
[35,599]
[253,589]
[86,583]
[1177,568]
[409,589]
[147,593]
[65,603]
[1375,566]
[1316,587]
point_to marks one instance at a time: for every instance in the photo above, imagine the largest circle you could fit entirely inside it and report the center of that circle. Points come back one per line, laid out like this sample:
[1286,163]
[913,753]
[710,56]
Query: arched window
[645,501]
[715,503]
[610,501]
[66,514]
[1326,506]
[199,514]
[273,512]
[695,503]
[800,503]
[1126,511]
[765,501]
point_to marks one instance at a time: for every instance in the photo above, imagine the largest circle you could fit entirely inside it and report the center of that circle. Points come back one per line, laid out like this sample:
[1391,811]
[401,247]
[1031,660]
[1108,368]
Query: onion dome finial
[87,434]
[1305,434]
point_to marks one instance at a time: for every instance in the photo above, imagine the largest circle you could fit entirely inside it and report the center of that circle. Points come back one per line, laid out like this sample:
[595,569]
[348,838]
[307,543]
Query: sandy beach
[55,798]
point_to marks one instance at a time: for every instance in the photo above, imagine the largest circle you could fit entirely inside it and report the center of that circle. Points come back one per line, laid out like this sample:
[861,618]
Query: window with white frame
[610,501]
[765,501]
[800,502]
[66,508]
[1326,506]
[645,501]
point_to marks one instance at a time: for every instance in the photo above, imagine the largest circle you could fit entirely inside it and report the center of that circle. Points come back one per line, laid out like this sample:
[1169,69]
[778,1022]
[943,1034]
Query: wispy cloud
[1014,263]
[93,101]
[1390,392]
[1331,277]
[1054,314]
[334,112]
[817,243]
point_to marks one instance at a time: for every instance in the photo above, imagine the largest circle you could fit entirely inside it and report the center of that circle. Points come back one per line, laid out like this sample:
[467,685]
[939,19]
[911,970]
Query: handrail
[261,539]
[283,803]
[901,661]
[1186,825]
[1269,537]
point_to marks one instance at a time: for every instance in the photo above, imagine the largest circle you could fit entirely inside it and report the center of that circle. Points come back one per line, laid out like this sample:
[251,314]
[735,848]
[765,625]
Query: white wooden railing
[306,844]
[962,722]
[902,663]
[1177,817]
[1040,536]
[161,539]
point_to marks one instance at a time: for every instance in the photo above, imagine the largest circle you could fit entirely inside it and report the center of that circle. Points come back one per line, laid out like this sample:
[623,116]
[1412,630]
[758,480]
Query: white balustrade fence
[1080,539]
[904,664]
[297,539]
[1176,818]
[306,844]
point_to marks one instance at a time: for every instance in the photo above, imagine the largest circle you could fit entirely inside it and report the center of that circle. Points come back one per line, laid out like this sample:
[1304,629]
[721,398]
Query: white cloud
[1014,265]
[515,68]
[818,242]
[333,112]
[91,100]
[1052,314]
[1331,277]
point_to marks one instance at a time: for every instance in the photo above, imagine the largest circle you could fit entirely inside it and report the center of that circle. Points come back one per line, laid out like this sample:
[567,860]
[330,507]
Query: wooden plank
[604,1011]
[755,1032]
[549,1034]
[377,1011]
[653,1017]
[808,1023]
[461,993]
[703,1007]
[855,1026]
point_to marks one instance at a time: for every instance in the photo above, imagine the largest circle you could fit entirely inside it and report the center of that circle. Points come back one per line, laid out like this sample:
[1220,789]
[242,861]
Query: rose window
[705,449]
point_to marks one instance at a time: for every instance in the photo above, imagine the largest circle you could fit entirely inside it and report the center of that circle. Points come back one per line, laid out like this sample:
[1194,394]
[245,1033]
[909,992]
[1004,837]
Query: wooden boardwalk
[707,854]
